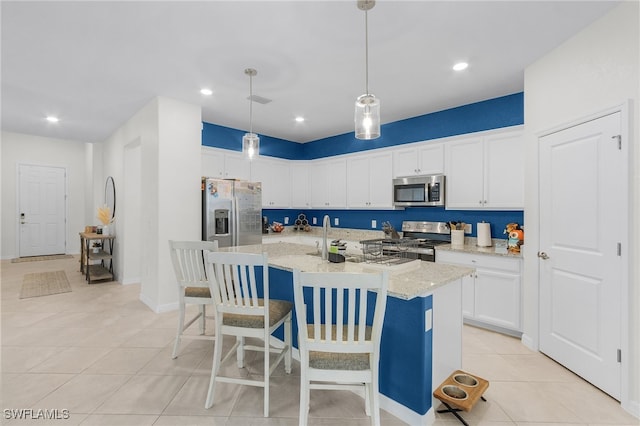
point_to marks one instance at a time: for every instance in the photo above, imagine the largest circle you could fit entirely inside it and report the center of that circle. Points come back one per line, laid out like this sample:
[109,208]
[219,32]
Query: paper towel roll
[484,234]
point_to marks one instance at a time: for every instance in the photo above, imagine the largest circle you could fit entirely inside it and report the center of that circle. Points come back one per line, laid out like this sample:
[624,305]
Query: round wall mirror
[110,196]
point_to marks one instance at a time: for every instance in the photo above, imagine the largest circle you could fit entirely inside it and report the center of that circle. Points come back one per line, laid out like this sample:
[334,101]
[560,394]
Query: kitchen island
[422,332]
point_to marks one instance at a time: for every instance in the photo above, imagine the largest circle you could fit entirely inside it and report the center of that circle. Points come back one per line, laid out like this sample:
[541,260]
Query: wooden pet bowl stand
[459,392]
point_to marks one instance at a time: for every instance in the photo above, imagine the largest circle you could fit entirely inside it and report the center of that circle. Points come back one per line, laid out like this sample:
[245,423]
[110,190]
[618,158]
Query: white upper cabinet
[485,172]
[300,188]
[225,164]
[424,159]
[328,183]
[504,171]
[369,181]
[276,181]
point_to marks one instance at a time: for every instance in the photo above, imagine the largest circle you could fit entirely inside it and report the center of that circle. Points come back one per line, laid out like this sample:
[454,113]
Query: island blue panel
[406,349]
[406,354]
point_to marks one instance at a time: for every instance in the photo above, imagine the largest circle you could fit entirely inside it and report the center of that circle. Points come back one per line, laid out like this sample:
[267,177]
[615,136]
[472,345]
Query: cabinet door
[504,172]
[337,183]
[212,163]
[236,166]
[300,190]
[405,162]
[274,175]
[497,298]
[464,171]
[431,159]
[468,295]
[357,182]
[318,178]
[380,181]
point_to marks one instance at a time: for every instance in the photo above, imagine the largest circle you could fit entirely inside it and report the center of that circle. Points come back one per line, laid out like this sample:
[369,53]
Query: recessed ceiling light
[299,119]
[206,92]
[52,119]
[460,66]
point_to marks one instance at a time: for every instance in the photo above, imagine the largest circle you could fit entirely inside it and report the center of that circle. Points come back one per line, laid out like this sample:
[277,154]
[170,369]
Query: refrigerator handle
[235,226]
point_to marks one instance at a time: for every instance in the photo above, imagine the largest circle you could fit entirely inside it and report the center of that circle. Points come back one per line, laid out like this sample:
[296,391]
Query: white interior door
[582,218]
[42,210]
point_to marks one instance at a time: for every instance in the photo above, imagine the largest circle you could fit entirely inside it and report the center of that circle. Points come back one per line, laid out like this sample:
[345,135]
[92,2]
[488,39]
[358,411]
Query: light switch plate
[286,220]
[336,221]
[314,221]
[374,224]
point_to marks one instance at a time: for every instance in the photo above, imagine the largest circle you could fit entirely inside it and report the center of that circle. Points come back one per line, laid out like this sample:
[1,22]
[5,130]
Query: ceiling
[95,64]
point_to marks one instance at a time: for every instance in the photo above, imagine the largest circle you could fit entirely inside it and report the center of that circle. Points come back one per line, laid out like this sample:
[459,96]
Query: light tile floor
[104,356]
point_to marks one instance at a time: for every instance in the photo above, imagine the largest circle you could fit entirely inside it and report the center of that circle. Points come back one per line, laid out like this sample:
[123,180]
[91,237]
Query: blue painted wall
[495,113]
[231,139]
[491,114]
[361,219]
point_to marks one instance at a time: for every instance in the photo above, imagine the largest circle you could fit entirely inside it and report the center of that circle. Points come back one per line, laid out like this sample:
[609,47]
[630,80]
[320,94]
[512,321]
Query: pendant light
[367,116]
[250,141]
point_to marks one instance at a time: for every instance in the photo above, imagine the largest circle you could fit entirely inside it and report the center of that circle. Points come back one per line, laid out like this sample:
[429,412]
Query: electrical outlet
[336,221]
[467,228]
[286,220]
[374,224]
[314,221]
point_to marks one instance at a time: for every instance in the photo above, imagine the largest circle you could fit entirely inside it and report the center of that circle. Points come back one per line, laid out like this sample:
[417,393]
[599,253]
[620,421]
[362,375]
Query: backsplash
[361,219]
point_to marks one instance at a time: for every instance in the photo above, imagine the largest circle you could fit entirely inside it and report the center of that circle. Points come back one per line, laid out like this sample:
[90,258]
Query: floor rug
[44,283]
[36,258]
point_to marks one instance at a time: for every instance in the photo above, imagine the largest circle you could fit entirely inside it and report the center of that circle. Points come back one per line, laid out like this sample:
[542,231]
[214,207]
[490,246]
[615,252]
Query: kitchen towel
[484,234]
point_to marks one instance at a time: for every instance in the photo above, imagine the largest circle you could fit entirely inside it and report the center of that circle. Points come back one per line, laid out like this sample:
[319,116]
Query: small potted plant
[96,246]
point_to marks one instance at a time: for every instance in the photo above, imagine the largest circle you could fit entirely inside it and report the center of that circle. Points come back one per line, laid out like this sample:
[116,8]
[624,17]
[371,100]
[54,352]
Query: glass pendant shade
[250,145]
[367,117]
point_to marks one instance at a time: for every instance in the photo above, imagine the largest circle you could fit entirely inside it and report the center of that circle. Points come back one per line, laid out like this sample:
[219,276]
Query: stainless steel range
[425,236]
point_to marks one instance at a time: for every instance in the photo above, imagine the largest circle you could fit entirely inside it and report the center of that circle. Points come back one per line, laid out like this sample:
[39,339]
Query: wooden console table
[96,271]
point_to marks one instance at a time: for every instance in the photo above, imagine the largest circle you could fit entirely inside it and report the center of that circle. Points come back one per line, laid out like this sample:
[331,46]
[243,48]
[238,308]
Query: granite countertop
[406,281]
[498,248]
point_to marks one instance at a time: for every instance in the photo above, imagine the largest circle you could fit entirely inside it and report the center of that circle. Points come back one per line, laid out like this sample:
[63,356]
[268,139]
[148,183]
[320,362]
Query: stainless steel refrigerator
[231,212]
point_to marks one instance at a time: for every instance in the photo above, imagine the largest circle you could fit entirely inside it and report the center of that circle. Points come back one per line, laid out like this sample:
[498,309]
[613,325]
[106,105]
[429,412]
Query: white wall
[169,135]
[596,69]
[19,148]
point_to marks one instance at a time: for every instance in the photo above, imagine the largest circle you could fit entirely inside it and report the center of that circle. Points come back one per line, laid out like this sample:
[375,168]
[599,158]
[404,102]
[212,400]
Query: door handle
[542,255]
[22,219]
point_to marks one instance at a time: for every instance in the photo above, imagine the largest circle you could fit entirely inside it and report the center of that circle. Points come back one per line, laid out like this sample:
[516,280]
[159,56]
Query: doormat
[44,284]
[37,258]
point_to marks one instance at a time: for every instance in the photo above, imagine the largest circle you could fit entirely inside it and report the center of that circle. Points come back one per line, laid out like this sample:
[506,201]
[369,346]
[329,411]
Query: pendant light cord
[250,103]
[366,50]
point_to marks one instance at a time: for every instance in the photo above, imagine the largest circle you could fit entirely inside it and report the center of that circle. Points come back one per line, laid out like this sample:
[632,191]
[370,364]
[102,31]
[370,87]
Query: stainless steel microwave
[417,191]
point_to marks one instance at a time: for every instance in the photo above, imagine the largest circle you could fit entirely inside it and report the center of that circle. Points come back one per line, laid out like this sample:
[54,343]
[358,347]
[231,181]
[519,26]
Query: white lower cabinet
[492,295]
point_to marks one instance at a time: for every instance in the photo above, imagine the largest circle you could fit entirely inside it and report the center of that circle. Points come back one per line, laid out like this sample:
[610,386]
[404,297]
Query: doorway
[583,181]
[42,212]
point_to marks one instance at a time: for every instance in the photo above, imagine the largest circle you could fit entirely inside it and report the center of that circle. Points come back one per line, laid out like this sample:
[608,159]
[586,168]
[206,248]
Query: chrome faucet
[326,224]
